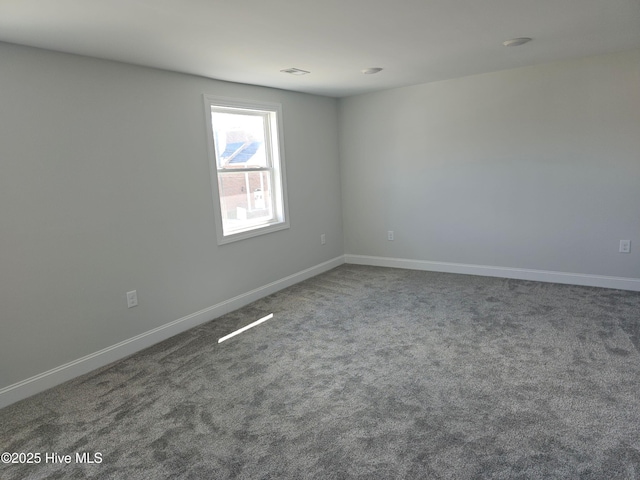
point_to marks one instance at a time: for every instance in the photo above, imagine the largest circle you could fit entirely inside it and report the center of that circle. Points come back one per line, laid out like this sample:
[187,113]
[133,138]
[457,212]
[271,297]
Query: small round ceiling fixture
[372,70]
[516,42]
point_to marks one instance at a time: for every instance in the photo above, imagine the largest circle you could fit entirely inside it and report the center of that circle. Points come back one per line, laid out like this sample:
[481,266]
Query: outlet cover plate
[132,299]
[625,246]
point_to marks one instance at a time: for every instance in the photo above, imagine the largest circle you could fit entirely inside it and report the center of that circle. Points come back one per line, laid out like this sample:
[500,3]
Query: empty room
[292,239]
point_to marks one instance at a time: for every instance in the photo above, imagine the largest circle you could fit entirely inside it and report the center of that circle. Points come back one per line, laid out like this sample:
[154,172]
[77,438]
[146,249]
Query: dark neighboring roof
[244,155]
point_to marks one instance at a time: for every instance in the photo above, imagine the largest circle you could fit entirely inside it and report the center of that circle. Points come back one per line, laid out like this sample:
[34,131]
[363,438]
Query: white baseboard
[61,374]
[621,283]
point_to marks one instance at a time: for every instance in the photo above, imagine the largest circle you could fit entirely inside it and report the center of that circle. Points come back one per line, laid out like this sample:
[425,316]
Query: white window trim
[280,177]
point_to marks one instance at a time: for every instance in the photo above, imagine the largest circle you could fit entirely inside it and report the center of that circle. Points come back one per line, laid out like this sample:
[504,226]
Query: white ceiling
[250,41]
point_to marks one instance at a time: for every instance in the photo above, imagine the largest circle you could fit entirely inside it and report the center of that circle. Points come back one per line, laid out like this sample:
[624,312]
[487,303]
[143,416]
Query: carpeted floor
[363,372]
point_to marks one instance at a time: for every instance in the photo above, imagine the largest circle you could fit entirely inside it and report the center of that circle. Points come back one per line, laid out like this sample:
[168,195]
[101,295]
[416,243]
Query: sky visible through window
[239,140]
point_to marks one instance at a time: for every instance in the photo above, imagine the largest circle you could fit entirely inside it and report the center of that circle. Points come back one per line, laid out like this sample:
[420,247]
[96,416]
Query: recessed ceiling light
[515,42]
[372,70]
[294,71]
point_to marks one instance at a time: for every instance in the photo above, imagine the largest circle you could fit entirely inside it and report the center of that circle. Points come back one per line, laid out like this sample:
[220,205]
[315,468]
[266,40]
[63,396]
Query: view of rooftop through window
[240,140]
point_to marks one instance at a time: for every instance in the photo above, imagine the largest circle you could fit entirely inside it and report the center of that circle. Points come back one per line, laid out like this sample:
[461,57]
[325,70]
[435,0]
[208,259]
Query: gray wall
[104,188]
[533,168]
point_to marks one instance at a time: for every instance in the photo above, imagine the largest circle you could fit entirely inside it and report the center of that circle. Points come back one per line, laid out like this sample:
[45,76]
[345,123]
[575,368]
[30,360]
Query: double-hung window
[247,167]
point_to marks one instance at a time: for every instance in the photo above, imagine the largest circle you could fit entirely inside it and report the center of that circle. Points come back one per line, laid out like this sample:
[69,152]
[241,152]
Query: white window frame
[274,140]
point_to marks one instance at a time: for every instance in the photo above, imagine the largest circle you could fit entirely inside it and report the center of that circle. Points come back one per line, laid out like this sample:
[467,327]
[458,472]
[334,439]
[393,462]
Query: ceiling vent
[516,42]
[294,71]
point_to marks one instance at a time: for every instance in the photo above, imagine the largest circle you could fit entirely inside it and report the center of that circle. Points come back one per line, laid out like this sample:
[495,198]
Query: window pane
[245,199]
[239,140]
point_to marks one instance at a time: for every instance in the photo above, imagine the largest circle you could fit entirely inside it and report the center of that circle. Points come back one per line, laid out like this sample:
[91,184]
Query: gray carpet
[363,372]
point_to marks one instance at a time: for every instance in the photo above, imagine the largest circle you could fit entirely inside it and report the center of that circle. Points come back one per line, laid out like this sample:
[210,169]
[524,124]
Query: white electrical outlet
[132,299]
[625,246]
[323,239]
[390,235]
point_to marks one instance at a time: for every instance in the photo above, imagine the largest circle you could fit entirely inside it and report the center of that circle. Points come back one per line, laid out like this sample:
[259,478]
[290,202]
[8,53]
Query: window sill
[253,232]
